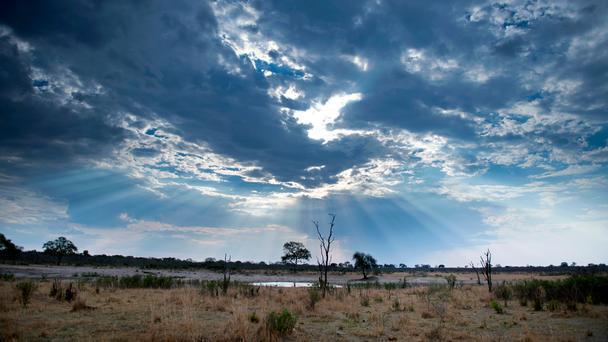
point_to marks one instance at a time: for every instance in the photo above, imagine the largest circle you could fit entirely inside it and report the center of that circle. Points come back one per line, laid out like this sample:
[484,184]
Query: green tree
[294,251]
[8,250]
[60,248]
[364,262]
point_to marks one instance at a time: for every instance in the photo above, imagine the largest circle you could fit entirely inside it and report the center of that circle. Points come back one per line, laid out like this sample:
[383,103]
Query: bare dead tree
[476,272]
[325,246]
[486,268]
[226,280]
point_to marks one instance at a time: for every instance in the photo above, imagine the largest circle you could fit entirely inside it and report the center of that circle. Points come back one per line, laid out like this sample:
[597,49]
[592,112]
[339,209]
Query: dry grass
[184,314]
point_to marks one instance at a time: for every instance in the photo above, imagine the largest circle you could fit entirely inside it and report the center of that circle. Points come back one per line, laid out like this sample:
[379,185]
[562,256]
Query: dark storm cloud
[167,59]
[382,31]
[163,59]
[37,131]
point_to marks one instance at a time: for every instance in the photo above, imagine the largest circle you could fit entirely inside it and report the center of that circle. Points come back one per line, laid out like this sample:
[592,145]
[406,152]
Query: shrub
[504,292]
[253,318]
[248,290]
[396,306]
[390,287]
[575,289]
[56,290]
[314,295]
[81,304]
[539,298]
[70,293]
[553,305]
[451,279]
[364,300]
[280,323]
[496,306]
[211,287]
[26,290]
[7,277]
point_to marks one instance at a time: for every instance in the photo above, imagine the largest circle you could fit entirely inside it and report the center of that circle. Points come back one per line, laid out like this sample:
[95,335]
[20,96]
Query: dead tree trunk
[226,280]
[325,246]
[476,273]
[486,268]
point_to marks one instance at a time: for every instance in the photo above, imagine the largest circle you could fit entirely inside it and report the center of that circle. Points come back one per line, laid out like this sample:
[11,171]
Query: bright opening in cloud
[322,115]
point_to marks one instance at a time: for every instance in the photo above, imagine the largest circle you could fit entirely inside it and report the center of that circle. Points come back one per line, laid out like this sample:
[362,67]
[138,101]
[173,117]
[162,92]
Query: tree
[325,246]
[8,250]
[476,272]
[364,262]
[60,248]
[486,268]
[294,251]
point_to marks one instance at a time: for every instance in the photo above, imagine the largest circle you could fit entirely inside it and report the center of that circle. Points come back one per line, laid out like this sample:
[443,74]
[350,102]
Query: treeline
[83,259]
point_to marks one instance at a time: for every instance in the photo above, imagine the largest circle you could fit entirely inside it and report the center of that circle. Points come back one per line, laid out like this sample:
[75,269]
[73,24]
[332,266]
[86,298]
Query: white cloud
[360,62]
[21,206]
[422,63]
[571,170]
[322,115]
[520,235]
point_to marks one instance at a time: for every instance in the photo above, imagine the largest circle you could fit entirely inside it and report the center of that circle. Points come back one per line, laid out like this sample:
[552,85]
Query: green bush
[451,279]
[137,281]
[314,296]
[396,306]
[56,290]
[539,298]
[497,307]
[281,323]
[211,287]
[26,290]
[504,292]
[7,277]
[247,290]
[575,289]
[364,300]
[553,305]
[253,318]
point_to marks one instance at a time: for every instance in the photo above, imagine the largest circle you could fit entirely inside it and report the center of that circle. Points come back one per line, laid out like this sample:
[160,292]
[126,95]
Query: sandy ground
[414,278]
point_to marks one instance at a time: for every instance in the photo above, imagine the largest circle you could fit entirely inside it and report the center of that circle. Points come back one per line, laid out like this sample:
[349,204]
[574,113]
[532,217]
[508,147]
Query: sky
[433,130]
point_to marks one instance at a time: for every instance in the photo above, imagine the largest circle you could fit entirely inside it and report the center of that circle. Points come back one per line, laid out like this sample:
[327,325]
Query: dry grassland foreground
[245,313]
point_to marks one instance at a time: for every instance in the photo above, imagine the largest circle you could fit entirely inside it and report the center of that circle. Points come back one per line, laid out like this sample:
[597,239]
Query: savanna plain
[526,307]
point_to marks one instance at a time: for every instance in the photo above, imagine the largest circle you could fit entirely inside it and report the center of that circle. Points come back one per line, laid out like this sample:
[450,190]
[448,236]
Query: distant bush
[247,290]
[136,281]
[56,290]
[7,277]
[592,289]
[280,323]
[497,307]
[314,296]
[26,290]
[451,279]
[396,305]
[70,293]
[553,305]
[378,298]
[503,291]
[253,318]
[364,300]
[539,298]
[210,287]
[81,304]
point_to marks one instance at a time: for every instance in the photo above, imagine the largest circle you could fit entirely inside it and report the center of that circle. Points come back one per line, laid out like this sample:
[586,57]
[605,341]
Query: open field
[191,313]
